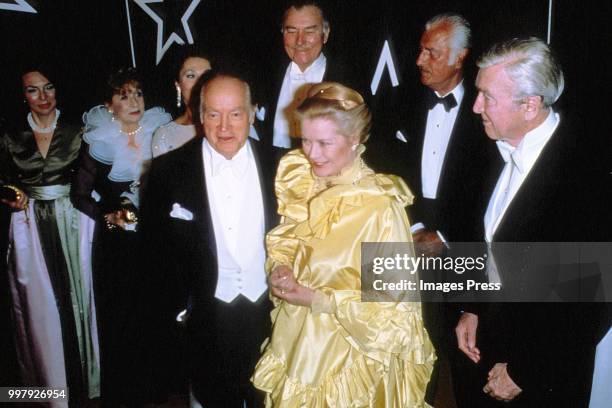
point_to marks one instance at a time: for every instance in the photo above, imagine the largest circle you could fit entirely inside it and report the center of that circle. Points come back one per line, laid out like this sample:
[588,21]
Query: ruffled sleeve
[293,186]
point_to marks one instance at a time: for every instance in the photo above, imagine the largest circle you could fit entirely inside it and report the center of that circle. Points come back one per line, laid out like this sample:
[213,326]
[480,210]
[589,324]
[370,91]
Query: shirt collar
[457,92]
[238,164]
[528,150]
[296,74]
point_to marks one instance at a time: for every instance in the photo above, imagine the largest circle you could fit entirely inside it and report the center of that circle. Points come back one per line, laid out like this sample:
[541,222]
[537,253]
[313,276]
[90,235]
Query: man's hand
[466,336]
[500,386]
[284,286]
[428,243]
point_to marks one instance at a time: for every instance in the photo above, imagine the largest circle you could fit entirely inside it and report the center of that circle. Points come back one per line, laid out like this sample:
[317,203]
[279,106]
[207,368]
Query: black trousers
[227,351]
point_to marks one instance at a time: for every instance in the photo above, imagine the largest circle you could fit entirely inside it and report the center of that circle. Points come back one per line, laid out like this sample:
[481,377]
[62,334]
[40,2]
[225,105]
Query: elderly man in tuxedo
[536,354]
[305,30]
[438,148]
[444,156]
[206,208]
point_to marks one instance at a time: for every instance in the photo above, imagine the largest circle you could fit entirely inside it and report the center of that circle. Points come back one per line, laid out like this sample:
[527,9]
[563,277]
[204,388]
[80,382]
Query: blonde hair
[341,104]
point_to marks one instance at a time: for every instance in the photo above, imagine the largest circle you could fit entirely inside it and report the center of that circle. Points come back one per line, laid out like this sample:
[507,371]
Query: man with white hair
[204,214]
[441,153]
[443,139]
[536,354]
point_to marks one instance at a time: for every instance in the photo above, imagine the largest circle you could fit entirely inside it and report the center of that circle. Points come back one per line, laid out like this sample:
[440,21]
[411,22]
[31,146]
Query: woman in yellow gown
[329,349]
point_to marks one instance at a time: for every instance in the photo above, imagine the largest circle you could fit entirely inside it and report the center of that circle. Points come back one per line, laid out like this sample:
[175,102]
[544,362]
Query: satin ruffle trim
[355,386]
[317,203]
[108,145]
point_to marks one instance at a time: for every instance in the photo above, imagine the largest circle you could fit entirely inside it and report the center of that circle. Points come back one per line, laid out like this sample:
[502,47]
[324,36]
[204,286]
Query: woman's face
[192,69]
[128,105]
[325,147]
[39,93]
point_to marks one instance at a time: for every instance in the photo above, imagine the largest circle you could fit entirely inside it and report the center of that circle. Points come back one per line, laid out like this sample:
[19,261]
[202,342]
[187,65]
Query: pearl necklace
[133,132]
[38,129]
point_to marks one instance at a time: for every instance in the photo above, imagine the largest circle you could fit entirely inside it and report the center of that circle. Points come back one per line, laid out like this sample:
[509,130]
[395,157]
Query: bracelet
[130,216]
[18,192]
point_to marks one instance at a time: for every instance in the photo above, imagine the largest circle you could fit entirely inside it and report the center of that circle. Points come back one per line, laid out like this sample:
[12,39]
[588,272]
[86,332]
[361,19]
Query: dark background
[85,40]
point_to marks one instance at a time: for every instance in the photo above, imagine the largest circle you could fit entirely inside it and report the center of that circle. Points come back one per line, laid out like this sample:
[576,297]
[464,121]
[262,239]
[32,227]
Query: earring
[354,147]
[112,115]
[179,100]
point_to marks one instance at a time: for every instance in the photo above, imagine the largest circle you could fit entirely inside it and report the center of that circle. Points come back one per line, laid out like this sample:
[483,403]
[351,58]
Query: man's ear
[533,106]
[252,114]
[325,35]
[461,58]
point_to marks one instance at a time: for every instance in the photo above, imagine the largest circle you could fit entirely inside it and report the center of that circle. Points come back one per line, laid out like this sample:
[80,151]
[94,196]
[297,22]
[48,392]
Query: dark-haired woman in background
[117,144]
[50,246]
[178,132]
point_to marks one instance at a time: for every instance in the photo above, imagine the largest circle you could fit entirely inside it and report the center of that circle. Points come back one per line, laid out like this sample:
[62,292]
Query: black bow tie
[448,101]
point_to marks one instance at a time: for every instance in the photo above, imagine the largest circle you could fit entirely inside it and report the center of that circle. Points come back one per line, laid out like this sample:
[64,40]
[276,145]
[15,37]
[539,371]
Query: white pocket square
[181,213]
[400,136]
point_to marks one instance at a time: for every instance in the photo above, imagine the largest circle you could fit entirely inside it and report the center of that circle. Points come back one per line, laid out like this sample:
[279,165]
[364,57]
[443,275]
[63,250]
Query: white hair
[531,65]
[460,35]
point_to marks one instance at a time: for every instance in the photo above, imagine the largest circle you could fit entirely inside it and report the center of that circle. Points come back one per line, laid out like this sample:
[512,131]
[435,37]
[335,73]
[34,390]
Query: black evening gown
[116,279]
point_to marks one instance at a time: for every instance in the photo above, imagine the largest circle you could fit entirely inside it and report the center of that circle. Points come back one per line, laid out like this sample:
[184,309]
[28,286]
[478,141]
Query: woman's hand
[114,220]
[20,202]
[120,218]
[284,286]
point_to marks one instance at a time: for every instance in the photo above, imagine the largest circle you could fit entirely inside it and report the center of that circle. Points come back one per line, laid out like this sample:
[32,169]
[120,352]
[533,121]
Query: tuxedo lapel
[456,144]
[529,214]
[195,190]
[413,149]
[273,94]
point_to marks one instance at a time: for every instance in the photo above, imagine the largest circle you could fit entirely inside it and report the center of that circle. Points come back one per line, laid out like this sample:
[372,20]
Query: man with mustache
[305,30]
[442,154]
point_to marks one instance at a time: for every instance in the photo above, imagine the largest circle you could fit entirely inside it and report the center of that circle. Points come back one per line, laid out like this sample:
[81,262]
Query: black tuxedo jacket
[336,70]
[187,249]
[466,177]
[549,347]
[181,255]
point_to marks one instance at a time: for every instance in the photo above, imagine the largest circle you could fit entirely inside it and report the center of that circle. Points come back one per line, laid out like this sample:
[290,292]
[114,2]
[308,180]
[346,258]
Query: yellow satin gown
[340,352]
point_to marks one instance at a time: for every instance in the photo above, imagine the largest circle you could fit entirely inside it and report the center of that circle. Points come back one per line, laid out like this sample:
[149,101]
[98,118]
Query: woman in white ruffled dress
[116,148]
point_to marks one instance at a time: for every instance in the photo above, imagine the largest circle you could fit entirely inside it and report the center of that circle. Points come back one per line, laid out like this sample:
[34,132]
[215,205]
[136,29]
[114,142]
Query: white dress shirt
[437,136]
[284,124]
[519,162]
[438,131]
[237,212]
[601,392]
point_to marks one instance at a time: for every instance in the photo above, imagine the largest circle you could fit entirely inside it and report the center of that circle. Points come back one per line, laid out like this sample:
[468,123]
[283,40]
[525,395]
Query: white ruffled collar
[108,145]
